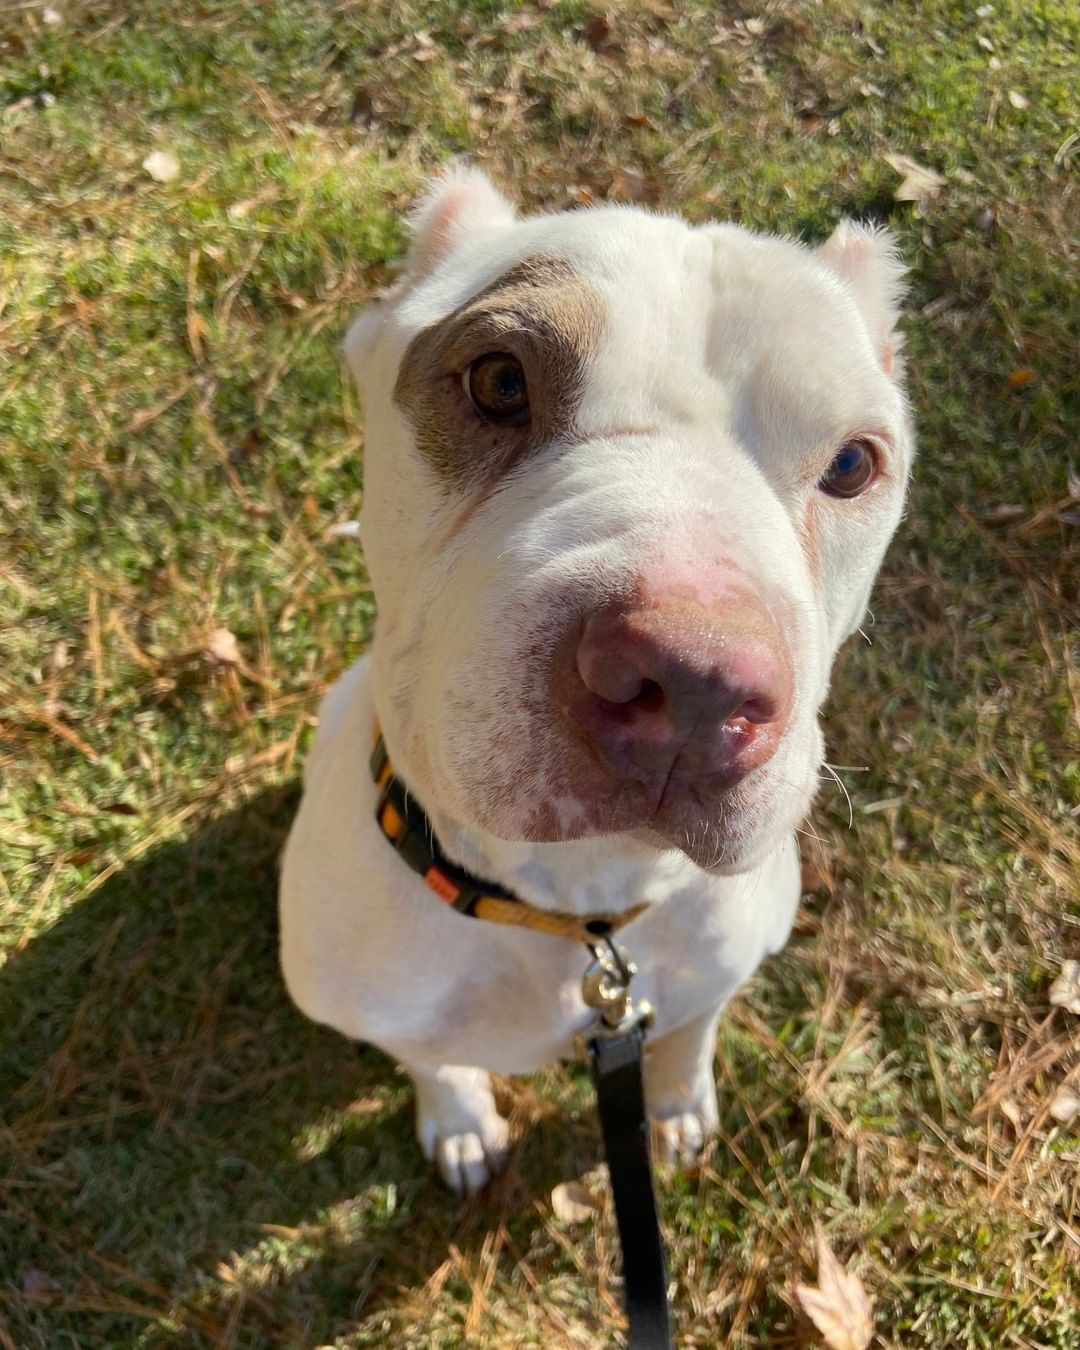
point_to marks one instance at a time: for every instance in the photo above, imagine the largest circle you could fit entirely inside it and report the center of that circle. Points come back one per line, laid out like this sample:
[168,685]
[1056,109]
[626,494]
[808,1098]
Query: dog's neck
[610,873]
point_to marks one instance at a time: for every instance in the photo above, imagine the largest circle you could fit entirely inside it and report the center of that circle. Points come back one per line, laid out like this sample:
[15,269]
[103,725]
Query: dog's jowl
[627,485]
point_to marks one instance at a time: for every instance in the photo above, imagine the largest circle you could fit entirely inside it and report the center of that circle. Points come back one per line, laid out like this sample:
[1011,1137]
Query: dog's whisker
[843,788]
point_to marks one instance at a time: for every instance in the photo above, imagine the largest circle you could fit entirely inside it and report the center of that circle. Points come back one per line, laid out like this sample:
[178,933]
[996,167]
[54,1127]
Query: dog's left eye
[853,469]
[496,385]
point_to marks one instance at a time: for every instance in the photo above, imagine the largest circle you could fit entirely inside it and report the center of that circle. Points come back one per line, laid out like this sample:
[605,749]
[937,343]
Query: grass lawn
[183,1159]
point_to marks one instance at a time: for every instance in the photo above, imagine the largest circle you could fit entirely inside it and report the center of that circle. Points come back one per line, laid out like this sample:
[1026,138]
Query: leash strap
[615,1061]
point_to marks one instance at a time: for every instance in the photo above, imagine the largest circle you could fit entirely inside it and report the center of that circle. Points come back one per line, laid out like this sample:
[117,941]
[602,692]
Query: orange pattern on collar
[408,828]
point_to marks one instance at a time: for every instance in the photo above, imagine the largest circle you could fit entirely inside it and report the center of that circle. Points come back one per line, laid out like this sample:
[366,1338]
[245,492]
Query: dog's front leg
[680,1091]
[457,1125]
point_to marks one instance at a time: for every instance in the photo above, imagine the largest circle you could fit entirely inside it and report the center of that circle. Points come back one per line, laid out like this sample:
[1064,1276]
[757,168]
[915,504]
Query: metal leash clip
[605,987]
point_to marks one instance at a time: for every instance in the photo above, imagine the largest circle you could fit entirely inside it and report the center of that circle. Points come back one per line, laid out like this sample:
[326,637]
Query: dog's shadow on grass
[181,1144]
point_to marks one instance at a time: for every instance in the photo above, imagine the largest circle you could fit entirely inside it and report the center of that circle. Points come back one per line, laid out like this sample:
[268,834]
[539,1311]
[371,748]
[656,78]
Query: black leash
[616,1069]
[614,1048]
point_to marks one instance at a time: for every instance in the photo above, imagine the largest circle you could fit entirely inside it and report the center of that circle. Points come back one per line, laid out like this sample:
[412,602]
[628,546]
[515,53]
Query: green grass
[183,1159]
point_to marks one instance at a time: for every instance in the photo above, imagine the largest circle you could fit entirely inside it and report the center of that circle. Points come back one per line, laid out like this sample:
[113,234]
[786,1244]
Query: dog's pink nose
[674,692]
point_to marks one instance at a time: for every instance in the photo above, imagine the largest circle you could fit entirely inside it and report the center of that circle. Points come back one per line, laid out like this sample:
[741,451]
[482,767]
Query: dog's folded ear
[461,201]
[458,202]
[867,258]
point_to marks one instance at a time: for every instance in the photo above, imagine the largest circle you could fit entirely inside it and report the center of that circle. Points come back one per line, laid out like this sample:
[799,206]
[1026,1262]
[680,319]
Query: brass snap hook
[605,986]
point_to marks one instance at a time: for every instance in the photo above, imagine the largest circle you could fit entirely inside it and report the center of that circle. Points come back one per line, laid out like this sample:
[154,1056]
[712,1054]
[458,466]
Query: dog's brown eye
[853,469]
[496,385]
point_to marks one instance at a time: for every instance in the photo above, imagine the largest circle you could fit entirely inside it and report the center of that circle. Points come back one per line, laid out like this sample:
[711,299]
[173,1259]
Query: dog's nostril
[650,697]
[753,711]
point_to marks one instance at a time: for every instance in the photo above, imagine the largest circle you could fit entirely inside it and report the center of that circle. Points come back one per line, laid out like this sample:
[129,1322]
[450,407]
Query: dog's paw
[680,1138]
[459,1128]
[467,1162]
[683,1121]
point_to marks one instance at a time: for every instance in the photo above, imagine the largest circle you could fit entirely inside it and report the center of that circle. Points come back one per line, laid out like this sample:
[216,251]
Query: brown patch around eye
[541,314]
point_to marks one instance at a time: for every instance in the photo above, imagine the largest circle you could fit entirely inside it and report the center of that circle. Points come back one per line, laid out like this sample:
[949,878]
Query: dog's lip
[633,808]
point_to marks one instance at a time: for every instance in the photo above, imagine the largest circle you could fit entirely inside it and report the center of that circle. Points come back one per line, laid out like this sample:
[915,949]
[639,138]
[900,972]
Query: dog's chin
[711,849]
[725,837]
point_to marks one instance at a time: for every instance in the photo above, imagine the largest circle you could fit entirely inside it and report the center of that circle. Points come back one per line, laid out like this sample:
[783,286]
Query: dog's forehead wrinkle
[748,335]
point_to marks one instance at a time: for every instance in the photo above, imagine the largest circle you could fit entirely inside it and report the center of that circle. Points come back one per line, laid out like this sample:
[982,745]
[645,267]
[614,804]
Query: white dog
[627,485]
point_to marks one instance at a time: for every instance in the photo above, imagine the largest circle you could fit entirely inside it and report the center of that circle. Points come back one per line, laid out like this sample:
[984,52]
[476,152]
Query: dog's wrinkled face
[627,486]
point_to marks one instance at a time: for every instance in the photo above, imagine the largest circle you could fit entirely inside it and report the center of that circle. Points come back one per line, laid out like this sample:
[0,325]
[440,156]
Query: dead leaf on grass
[1065,1107]
[424,47]
[60,658]
[1012,1113]
[628,183]
[920,184]
[839,1307]
[574,1203]
[221,647]
[162,166]
[1065,991]
[598,32]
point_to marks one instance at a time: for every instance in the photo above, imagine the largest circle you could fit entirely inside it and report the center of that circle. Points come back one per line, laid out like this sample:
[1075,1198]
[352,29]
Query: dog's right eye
[852,470]
[496,385]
